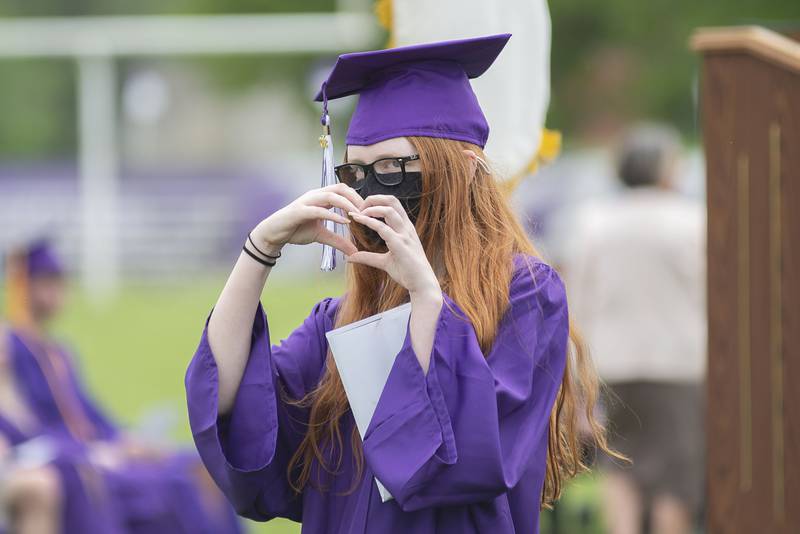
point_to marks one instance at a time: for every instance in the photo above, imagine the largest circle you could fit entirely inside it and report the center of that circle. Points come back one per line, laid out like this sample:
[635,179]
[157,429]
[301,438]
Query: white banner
[515,92]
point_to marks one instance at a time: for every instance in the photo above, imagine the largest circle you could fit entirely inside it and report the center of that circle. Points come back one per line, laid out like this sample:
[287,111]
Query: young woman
[477,423]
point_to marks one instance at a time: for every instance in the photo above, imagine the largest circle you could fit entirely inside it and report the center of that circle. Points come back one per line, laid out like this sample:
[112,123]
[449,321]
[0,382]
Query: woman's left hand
[405,261]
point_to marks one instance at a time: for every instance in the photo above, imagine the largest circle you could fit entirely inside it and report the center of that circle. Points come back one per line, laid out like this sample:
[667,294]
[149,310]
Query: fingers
[327,199]
[392,218]
[372,259]
[335,240]
[383,229]
[346,191]
[316,212]
[386,200]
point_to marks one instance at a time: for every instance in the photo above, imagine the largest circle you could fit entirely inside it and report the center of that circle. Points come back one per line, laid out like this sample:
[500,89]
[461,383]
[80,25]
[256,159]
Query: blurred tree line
[612,61]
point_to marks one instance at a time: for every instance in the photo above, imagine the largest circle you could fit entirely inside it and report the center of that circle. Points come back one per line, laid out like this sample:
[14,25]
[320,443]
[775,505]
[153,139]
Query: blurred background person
[70,468]
[636,276]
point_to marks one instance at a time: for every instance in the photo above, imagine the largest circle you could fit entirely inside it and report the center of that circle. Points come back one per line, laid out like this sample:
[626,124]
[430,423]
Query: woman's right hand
[302,221]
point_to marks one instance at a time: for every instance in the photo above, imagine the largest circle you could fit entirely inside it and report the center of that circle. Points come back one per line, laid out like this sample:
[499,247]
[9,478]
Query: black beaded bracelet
[270,256]
[259,260]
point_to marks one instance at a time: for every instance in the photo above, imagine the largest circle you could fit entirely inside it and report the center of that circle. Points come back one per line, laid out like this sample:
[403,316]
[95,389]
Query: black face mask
[407,191]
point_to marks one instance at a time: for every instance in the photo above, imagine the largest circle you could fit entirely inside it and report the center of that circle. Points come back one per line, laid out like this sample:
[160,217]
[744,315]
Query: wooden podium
[750,100]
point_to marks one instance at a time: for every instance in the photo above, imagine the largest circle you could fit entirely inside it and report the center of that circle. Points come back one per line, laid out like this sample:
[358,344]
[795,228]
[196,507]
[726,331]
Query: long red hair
[460,211]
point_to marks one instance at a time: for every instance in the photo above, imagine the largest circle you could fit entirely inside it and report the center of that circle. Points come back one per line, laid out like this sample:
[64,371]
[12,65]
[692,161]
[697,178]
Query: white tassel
[329,178]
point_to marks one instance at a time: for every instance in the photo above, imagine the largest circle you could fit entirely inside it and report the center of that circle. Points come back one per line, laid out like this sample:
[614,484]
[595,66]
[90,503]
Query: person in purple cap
[477,424]
[65,466]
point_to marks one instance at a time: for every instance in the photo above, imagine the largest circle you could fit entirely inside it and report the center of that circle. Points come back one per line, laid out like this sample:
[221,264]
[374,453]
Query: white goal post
[95,43]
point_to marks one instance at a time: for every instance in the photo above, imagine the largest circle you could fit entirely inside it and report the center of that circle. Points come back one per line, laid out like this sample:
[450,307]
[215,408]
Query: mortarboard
[419,90]
[42,259]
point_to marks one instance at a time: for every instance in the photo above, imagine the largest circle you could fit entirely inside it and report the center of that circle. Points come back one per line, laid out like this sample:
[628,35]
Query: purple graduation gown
[462,448]
[147,497]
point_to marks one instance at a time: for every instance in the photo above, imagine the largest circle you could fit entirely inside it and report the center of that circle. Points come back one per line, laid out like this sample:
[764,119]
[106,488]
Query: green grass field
[134,350]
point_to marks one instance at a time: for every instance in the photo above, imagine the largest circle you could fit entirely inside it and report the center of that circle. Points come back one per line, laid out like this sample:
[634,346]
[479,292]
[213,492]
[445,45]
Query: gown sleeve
[247,450]
[468,430]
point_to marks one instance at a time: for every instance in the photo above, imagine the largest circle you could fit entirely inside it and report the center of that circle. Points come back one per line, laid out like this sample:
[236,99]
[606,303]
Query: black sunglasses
[388,171]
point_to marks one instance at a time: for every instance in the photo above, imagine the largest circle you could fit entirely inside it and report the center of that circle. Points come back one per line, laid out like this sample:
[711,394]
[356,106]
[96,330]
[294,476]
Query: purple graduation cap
[418,90]
[42,259]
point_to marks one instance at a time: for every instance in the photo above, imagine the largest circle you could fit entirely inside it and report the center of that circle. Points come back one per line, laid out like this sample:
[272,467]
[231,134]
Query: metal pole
[98,174]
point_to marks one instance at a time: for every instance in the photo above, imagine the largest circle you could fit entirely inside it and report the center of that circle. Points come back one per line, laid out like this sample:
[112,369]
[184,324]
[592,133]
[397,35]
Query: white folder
[364,352]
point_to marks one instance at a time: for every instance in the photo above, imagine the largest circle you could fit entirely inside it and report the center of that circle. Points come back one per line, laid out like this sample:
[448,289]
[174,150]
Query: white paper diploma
[364,352]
